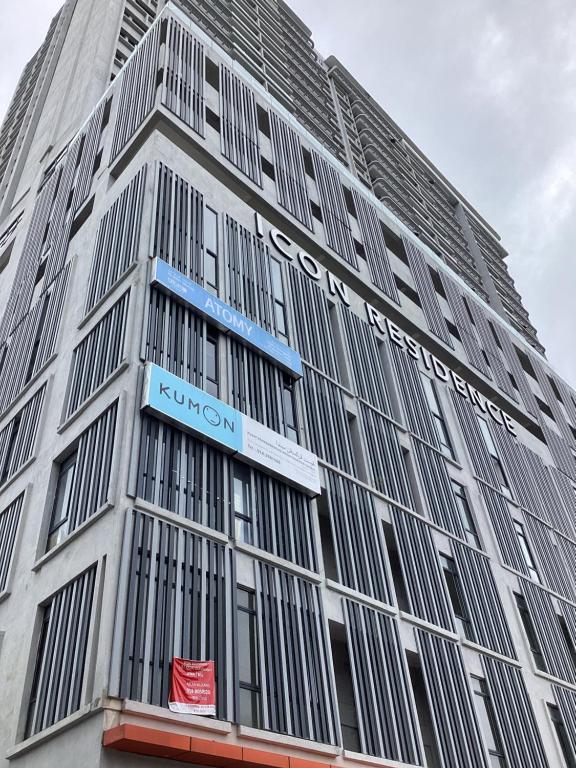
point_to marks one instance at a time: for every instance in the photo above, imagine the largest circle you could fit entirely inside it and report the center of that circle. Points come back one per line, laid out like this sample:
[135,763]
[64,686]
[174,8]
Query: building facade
[247,415]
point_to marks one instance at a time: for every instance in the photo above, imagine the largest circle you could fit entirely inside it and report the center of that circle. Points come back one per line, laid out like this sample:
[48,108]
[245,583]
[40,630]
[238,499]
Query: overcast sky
[486,88]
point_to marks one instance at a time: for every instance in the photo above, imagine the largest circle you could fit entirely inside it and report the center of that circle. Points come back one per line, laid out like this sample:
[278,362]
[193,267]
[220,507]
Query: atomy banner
[193,687]
[216,422]
[225,317]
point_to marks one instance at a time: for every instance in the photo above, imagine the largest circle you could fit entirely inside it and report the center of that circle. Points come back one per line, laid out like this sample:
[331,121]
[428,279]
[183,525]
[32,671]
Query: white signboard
[263,447]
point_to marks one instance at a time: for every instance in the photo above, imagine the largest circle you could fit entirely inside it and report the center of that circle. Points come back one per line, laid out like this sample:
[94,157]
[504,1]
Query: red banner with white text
[193,687]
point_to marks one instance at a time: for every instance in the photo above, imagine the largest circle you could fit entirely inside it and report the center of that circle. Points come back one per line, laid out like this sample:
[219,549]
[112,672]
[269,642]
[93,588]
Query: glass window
[242,500]
[278,296]
[212,365]
[457,596]
[466,514]
[289,410]
[248,664]
[487,721]
[438,418]
[61,509]
[526,551]
[533,641]
[211,247]
[560,728]
[496,463]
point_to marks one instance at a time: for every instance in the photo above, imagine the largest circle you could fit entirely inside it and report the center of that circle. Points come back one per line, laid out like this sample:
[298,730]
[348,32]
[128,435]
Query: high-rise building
[268,399]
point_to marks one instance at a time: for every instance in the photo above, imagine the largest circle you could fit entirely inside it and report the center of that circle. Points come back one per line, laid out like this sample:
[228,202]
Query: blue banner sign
[168,395]
[174,400]
[225,317]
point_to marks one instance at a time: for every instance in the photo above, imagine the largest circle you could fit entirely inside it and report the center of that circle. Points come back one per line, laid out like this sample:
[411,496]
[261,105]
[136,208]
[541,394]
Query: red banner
[193,687]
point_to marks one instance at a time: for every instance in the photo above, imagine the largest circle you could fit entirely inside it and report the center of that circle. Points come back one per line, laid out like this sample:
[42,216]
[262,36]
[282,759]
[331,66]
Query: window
[562,734]
[279,299]
[289,407]
[211,247]
[487,721]
[248,711]
[530,633]
[10,450]
[211,376]
[436,411]
[457,596]
[61,508]
[496,463]
[242,504]
[526,551]
[466,514]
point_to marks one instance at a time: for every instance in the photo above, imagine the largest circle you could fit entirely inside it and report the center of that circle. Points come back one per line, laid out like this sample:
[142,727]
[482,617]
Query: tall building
[268,401]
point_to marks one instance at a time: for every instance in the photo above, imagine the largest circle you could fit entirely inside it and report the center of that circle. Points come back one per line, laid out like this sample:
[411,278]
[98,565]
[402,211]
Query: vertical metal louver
[464,324]
[503,527]
[182,474]
[33,342]
[18,438]
[9,522]
[256,388]
[240,140]
[387,720]
[552,400]
[290,172]
[183,75]
[138,89]
[18,303]
[284,521]
[365,361]
[423,577]
[374,243]
[90,486]
[566,700]
[175,599]
[511,356]
[176,338]
[474,440]
[418,417]
[549,632]
[297,682]
[358,538]
[59,682]
[556,572]
[90,139]
[516,720]
[387,468]
[326,421]
[560,450]
[453,715]
[483,601]
[98,355]
[437,487]
[117,241]
[564,514]
[249,275]
[179,224]
[491,346]
[311,313]
[337,229]
[427,292]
